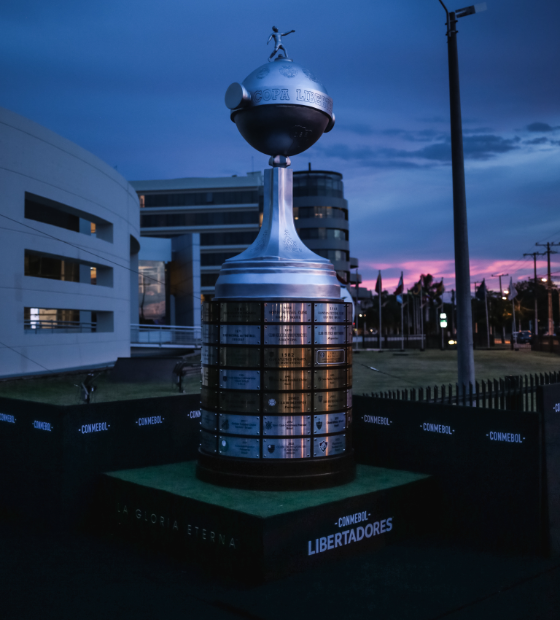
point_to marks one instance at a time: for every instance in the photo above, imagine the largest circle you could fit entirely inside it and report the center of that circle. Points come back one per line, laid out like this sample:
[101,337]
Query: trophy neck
[278,264]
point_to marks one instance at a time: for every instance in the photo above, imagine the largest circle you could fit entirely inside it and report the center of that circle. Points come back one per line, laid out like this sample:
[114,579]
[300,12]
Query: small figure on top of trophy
[278,42]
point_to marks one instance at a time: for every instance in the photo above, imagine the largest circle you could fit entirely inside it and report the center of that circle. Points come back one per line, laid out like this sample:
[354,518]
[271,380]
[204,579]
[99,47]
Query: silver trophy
[276,392]
[281,109]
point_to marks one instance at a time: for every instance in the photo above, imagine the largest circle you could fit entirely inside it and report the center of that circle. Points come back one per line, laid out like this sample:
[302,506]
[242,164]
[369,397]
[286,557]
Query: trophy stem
[278,265]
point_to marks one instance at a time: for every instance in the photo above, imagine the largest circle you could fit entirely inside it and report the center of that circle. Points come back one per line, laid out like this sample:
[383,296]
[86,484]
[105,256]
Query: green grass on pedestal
[179,479]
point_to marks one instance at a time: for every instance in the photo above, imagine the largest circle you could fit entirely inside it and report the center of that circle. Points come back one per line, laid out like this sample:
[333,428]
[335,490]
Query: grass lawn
[63,390]
[398,371]
[434,367]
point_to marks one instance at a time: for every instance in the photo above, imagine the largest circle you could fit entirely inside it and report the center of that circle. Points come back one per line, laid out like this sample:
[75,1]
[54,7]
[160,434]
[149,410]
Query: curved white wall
[37,161]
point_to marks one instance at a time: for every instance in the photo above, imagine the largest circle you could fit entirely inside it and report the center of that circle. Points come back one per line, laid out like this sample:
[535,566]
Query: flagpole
[487,319]
[402,323]
[421,315]
[379,281]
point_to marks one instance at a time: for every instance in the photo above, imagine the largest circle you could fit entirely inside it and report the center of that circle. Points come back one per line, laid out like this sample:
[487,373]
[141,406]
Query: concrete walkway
[46,575]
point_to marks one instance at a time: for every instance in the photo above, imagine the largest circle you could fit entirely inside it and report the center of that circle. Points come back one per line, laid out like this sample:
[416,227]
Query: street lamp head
[471,10]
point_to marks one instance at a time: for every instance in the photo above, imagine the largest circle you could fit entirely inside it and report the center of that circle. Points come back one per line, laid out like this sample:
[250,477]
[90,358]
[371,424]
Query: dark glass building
[321,217]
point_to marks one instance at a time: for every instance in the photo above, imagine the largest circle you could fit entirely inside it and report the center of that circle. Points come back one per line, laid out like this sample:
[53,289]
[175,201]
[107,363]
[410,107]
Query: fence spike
[420,394]
[477,392]
[435,394]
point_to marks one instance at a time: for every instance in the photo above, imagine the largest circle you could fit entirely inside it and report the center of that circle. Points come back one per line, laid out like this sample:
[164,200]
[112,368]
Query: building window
[48,211]
[41,265]
[51,267]
[65,321]
[323,233]
[194,199]
[215,259]
[223,218]
[334,255]
[151,292]
[208,279]
[228,238]
[317,184]
[301,213]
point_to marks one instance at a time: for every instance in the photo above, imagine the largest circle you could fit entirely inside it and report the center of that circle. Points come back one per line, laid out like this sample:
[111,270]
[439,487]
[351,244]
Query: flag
[378,285]
[512,290]
[399,299]
[482,291]
[416,288]
[400,287]
[439,289]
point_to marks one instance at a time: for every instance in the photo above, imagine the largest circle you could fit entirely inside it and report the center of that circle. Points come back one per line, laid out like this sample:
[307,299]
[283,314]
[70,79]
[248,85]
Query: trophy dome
[281,108]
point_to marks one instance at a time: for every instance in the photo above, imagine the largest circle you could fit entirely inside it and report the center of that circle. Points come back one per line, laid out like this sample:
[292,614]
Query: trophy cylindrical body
[276,396]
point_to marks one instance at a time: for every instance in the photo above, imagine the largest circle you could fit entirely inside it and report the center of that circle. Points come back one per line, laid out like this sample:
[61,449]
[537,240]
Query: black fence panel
[488,464]
[50,455]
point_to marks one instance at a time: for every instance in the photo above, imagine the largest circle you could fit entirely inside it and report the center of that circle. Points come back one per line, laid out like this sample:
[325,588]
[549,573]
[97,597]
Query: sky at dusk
[141,85]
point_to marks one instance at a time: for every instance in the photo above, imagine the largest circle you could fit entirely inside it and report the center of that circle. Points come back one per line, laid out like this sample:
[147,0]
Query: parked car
[523,337]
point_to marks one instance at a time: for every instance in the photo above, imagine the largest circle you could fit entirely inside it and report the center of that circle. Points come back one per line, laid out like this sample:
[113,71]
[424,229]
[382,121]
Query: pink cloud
[480,268]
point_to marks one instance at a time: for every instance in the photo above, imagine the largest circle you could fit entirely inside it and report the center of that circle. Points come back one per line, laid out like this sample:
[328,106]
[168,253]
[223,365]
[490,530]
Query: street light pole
[465,357]
[534,255]
[548,252]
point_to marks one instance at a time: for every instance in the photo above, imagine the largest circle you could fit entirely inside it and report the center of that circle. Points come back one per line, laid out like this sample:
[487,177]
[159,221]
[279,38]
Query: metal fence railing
[513,393]
[39,326]
[165,336]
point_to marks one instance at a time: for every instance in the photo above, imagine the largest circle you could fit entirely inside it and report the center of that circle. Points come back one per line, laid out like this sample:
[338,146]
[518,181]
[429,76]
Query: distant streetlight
[465,357]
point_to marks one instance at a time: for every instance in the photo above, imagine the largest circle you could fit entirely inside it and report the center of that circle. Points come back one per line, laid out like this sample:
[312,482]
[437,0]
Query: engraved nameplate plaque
[330,313]
[208,442]
[240,312]
[208,420]
[208,397]
[240,424]
[210,312]
[325,357]
[240,447]
[330,401]
[287,379]
[287,334]
[287,403]
[329,423]
[210,334]
[287,425]
[240,379]
[240,401]
[330,334]
[209,355]
[287,358]
[241,357]
[330,378]
[209,376]
[287,312]
[329,446]
[240,334]
[299,448]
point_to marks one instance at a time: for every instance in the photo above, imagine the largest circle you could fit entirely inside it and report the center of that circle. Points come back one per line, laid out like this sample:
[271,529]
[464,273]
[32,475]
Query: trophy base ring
[269,476]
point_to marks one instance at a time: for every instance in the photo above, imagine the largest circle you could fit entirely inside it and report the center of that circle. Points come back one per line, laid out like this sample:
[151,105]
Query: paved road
[46,575]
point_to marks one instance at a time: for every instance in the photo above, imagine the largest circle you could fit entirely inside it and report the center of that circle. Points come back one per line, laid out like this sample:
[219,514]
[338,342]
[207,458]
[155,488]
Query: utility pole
[500,275]
[465,356]
[548,252]
[534,255]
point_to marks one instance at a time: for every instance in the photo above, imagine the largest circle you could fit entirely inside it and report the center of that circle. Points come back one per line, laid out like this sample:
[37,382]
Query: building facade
[321,217]
[69,225]
[225,211]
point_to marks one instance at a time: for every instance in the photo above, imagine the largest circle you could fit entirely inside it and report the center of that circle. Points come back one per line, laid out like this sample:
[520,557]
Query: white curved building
[69,241]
